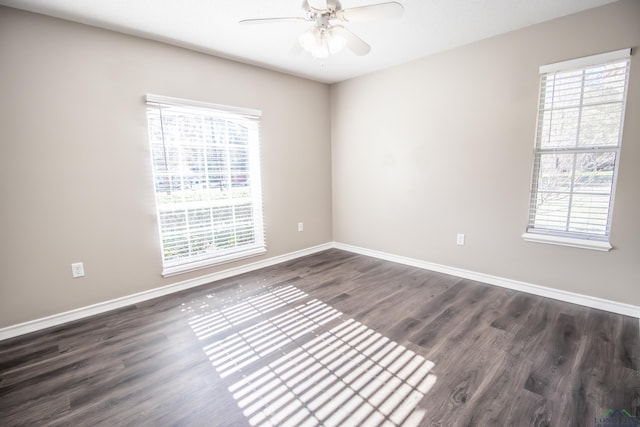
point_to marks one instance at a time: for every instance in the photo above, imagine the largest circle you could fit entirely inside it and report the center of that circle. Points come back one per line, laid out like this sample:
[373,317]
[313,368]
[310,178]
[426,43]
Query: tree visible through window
[580,118]
[207,182]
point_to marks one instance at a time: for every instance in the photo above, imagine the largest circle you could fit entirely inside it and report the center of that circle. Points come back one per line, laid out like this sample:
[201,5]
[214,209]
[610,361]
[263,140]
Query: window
[580,116]
[206,174]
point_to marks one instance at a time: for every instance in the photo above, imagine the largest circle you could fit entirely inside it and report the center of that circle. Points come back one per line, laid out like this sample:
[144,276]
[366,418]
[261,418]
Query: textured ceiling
[211,26]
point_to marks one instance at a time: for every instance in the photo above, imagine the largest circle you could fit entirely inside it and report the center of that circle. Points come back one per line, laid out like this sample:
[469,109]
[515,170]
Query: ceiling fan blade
[270,20]
[374,11]
[296,49]
[353,42]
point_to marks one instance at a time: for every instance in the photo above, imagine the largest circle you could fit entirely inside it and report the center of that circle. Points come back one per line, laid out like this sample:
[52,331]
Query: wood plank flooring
[329,339]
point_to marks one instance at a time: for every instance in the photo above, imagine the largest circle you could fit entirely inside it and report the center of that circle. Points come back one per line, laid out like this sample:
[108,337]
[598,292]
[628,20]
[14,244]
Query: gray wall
[75,178]
[444,145]
[417,153]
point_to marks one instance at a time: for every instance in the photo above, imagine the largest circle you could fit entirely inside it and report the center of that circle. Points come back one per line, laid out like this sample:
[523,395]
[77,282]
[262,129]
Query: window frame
[245,116]
[584,240]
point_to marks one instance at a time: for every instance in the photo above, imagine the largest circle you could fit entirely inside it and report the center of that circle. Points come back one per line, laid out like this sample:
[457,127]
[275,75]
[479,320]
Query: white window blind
[206,170]
[580,117]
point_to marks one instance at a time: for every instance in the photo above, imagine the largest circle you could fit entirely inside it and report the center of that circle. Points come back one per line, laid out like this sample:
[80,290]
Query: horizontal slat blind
[207,183]
[578,137]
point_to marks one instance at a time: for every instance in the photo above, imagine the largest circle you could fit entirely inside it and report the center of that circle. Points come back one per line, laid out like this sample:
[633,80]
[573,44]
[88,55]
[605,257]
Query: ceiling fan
[326,35]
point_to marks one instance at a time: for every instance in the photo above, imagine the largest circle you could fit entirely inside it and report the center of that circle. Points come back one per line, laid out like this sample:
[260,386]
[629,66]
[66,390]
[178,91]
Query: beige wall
[444,145]
[419,153]
[75,178]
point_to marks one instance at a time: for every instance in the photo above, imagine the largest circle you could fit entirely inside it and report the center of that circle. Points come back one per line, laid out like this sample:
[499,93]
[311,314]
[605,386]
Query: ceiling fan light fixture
[321,42]
[308,40]
[336,42]
[326,36]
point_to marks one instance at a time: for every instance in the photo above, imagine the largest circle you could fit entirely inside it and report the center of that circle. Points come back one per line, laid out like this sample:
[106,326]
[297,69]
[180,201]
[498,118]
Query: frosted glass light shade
[321,42]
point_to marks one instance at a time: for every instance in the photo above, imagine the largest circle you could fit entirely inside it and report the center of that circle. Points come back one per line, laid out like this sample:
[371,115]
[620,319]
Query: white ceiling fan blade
[353,42]
[271,20]
[296,49]
[374,11]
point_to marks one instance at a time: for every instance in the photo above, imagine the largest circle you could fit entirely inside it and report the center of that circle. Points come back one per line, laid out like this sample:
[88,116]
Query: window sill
[595,245]
[210,262]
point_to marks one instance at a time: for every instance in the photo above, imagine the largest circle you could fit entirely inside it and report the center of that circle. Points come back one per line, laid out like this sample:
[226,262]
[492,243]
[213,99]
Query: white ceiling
[211,26]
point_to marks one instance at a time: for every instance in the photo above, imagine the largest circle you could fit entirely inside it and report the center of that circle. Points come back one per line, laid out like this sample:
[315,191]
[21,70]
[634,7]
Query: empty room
[320,213]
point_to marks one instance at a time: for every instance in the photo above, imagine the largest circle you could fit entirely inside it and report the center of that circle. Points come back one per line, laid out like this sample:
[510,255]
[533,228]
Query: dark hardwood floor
[330,339]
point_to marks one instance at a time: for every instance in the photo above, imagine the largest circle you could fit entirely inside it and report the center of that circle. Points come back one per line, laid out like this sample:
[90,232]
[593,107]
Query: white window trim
[168,101]
[586,61]
[597,245]
[585,242]
[260,248]
[210,262]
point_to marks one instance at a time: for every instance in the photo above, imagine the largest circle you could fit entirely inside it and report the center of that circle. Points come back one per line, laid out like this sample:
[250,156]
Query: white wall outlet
[460,239]
[300,226]
[77,270]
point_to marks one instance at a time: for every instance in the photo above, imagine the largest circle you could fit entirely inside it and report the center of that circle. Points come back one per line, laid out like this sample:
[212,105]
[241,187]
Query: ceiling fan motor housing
[322,16]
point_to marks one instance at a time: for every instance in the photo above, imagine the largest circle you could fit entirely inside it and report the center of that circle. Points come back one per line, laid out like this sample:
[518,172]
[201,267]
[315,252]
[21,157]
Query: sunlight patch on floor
[215,321]
[239,350]
[347,375]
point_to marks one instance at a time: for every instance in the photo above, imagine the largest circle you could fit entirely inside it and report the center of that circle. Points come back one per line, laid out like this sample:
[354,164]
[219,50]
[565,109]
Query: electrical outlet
[300,226]
[77,270]
[460,239]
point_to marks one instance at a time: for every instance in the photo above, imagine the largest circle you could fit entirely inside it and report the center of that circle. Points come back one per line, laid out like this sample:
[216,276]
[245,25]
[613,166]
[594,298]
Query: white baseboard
[81,313]
[557,294]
